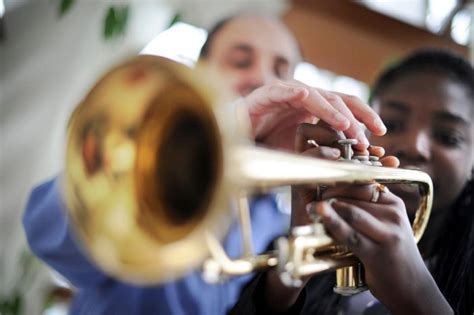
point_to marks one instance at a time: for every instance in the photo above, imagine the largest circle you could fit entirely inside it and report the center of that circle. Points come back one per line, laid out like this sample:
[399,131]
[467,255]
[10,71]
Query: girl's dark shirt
[316,298]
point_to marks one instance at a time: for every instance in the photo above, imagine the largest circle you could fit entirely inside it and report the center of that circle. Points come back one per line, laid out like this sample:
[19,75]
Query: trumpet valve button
[347,141]
[347,147]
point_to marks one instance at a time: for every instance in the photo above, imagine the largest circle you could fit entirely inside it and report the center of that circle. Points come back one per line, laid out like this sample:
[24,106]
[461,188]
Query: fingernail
[321,210]
[335,152]
[379,123]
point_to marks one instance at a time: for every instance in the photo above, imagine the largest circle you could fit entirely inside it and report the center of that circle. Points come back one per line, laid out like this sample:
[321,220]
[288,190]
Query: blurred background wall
[48,62]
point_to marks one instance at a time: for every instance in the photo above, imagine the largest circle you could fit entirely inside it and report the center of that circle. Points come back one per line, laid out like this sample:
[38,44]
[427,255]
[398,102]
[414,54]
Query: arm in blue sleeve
[50,237]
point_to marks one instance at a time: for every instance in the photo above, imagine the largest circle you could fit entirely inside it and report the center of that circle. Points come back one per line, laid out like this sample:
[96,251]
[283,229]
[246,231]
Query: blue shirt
[51,239]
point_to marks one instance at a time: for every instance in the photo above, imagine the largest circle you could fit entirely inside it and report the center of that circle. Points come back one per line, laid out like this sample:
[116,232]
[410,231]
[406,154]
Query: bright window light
[351,86]
[438,12]
[311,75]
[2,8]
[460,27]
[181,42]
[409,11]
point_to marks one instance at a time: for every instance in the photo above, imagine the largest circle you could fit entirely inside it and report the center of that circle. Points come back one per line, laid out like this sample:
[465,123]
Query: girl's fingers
[390,161]
[394,214]
[323,152]
[371,193]
[342,232]
[376,150]
[361,220]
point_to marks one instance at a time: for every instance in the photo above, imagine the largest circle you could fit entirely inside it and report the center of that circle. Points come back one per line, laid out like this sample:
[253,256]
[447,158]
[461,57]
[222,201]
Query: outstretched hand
[276,110]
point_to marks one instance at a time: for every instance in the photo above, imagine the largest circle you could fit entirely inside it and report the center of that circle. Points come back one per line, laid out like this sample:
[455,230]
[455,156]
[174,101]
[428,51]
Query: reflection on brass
[152,163]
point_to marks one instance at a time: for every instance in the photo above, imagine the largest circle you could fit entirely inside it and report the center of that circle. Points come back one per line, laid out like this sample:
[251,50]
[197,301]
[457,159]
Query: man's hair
[205,49]
[204,53]
[431,60]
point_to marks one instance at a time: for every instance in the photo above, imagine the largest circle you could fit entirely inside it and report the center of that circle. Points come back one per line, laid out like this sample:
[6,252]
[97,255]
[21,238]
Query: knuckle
[333,98]
[394,237]
[395,215]
[355,216]
[398,203]
[353,239]
[351,215]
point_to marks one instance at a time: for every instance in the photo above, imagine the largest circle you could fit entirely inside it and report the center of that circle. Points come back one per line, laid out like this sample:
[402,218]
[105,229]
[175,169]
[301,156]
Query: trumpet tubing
[150,168]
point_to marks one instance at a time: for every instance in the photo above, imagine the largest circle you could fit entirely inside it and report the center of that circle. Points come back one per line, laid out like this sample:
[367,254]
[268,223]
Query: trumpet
[150,170]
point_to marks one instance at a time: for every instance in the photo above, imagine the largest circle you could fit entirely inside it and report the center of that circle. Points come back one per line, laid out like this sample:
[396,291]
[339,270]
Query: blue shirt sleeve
[51,238]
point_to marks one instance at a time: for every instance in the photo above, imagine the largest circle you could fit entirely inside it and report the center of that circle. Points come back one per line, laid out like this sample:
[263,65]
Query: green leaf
[11,306]
[115,22]
[109,25]
[65,6]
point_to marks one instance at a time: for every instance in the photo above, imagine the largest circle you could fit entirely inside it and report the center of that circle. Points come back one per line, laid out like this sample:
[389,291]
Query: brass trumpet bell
[143,175]
[151,167]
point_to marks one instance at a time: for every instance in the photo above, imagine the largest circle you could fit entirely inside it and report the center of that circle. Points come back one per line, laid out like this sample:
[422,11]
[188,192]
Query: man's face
[429,127]
[253,51]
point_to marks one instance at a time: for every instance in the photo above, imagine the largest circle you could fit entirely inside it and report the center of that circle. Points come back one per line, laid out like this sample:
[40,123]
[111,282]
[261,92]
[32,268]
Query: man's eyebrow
[450,117]
[243,47]
[397,105]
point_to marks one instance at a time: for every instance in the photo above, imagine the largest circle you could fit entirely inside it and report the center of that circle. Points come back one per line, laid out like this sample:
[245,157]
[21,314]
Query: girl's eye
[449,138]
